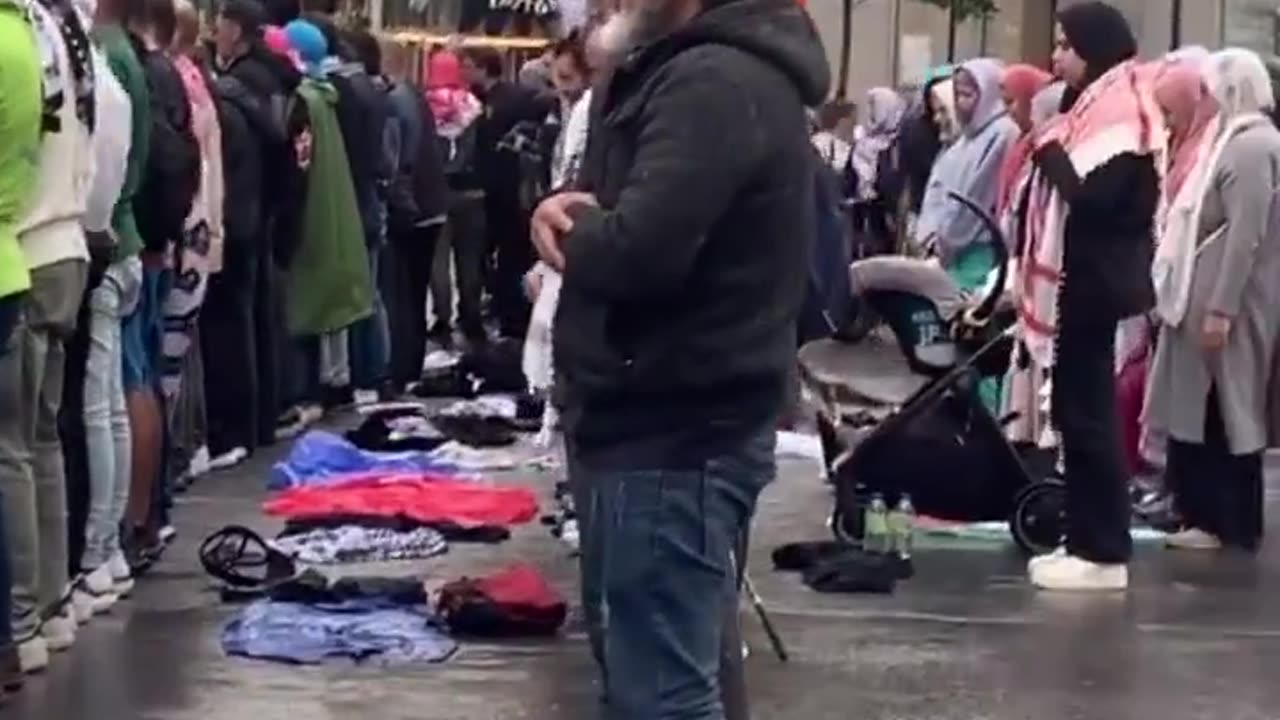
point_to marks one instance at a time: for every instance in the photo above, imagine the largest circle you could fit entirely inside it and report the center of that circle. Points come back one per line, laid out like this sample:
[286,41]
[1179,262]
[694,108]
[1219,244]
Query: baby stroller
[942,445]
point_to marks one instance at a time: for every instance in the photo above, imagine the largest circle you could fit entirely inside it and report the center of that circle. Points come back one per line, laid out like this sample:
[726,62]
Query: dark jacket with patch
[677,321]
[171,179]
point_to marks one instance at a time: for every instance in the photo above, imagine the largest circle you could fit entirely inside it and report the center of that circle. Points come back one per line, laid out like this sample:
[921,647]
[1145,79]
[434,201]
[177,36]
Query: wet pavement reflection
[1197,637]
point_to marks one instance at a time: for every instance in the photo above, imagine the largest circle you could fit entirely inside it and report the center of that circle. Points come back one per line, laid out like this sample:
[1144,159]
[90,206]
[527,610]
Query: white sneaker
[81,605]
[229,459]
[33,655]
[1041,559]
[167,535]
[200,464]
[59,632]
[364,398]
[97,589]
[1068,572]
[310,415]
[1193,539]
[121,575]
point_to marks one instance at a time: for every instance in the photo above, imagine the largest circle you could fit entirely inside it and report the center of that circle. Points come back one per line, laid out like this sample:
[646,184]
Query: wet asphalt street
[1196,637]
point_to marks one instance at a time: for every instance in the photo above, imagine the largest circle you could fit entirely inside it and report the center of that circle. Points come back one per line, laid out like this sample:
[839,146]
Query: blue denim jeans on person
[667,541]
[32,480]
[10,311]
[108,442]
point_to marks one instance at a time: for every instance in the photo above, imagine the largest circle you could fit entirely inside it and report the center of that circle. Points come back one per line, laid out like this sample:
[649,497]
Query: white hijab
[1239,81]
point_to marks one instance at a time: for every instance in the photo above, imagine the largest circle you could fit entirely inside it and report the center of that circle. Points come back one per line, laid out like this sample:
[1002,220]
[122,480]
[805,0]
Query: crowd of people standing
[205,244]
[212,232]
[1136,201]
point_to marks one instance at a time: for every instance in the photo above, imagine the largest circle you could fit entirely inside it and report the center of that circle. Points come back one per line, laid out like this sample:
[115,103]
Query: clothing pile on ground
[206,248]
[344,505]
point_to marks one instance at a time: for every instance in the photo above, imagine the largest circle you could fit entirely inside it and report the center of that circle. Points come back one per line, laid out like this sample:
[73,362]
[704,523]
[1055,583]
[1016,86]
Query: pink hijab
[277,41]
[452,104]
[1190,107]
[1021,83]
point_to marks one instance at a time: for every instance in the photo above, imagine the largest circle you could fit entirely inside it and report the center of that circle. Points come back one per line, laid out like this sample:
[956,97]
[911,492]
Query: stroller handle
[987,307]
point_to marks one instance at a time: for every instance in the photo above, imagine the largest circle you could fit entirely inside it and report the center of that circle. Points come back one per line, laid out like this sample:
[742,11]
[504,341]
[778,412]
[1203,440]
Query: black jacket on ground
[677,321]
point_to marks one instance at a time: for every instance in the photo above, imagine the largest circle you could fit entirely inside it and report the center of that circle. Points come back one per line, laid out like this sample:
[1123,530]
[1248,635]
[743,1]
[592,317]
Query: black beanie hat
[1099,34]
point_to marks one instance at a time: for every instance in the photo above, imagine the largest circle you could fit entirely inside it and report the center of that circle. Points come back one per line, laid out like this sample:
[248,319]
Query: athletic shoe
[310,415]
[1040,559]
[33,655]
[1070,573]
[200,464]
[167,535]
[59,631]
[96,592]
[1193,539]
[290,425]
[229,459]
[121,575]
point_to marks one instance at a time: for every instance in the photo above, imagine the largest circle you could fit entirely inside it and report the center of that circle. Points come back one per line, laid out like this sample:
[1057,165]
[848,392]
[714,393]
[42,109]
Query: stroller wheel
[1039,517]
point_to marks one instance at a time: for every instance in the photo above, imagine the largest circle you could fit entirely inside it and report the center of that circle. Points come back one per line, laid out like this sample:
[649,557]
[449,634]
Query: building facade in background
[894,42]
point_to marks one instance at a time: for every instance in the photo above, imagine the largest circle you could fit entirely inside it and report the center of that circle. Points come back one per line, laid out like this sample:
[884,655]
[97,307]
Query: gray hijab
[970,167]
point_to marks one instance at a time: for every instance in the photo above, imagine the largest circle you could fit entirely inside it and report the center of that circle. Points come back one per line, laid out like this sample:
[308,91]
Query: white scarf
[1175,258]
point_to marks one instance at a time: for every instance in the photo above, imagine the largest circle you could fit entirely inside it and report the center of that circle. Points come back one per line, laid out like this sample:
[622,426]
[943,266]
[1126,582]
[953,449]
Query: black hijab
[1100,36]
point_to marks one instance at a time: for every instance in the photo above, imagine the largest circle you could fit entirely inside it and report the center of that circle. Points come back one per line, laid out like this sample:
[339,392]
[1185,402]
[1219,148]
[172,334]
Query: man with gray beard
[684,256]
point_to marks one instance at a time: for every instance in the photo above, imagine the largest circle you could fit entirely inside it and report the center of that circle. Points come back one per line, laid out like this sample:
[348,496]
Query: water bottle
[875,538]
[902,526]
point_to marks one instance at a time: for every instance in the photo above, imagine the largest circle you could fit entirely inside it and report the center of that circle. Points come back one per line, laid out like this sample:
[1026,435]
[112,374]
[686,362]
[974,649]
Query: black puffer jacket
[677,321]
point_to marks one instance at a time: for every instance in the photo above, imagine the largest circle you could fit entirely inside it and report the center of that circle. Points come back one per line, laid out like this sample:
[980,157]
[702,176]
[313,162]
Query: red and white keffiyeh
[1116,114]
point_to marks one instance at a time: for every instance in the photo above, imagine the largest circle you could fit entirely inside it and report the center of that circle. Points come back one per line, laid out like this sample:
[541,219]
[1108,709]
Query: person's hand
[551,222]
[533,284]
[1214,333]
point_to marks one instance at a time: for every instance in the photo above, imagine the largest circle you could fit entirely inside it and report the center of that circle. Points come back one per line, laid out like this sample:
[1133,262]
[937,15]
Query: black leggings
[1085,414]
[1215,491]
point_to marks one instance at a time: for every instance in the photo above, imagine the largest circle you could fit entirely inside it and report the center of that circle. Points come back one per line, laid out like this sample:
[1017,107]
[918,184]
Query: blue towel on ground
[317,457]
[371,630]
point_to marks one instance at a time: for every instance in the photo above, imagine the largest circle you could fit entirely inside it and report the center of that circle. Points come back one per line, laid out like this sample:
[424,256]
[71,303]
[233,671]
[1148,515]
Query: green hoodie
[329,287]
[125,65]
[20,105]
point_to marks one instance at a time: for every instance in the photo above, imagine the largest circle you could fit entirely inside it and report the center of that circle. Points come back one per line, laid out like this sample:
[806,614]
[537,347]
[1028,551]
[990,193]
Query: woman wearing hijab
[1084,268]
[920,141]
[872,190]
[1216,296]
[970,167]
[963,248]
[1018,87]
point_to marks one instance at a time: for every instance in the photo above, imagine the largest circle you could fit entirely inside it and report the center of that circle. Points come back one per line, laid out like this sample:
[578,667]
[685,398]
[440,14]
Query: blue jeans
[667,542]
[10,309]
[108,441]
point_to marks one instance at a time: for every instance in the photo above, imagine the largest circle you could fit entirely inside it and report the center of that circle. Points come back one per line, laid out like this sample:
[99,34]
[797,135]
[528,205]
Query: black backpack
[172,177]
